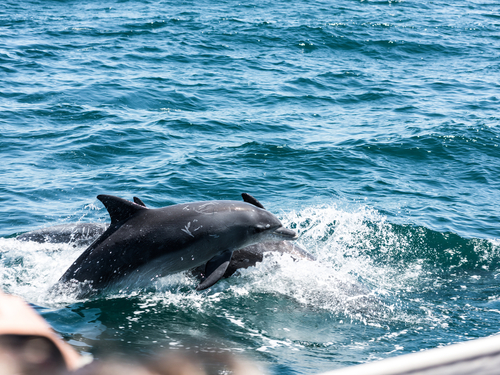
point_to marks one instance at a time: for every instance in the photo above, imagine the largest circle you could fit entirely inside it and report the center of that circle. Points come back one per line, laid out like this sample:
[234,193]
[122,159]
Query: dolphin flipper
[249,199]
[215,269]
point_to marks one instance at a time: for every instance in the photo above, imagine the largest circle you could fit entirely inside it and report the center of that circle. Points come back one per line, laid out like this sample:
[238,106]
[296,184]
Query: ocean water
[372,128]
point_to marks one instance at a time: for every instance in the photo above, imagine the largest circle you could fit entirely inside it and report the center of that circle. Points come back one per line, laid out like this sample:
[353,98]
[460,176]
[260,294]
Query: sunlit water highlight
[370,127]
[369,277]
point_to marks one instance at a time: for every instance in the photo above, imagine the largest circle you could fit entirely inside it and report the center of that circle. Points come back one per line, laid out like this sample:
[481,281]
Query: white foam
[343,280]
[28,269]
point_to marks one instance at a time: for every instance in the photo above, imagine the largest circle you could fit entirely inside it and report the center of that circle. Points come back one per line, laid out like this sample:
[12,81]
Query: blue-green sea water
[370,127]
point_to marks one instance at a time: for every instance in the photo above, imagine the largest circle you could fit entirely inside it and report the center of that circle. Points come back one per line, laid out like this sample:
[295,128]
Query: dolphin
[83,234]
[158,242]
[77,234]
[251,255]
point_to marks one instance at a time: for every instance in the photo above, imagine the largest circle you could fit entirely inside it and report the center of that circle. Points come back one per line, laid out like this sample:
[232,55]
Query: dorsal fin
[139,202]
[119,209]
[249,199]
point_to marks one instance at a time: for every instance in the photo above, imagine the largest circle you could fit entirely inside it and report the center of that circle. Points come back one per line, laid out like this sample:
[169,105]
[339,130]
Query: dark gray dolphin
[163,241]
[83,234]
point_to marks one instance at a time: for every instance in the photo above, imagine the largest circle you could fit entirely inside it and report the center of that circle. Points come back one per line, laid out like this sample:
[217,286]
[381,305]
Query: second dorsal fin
[249,199]
[119,209]
[139,201]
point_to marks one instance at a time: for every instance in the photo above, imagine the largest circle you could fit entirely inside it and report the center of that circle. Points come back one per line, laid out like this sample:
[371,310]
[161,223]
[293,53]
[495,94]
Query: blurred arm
[17,318]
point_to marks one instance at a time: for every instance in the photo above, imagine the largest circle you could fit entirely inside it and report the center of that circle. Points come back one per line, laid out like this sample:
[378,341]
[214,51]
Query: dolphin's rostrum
[163,241]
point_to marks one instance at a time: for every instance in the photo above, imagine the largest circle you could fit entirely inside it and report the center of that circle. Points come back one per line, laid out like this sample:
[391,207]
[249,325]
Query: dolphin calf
[78,234]
[163,241]
[251,255]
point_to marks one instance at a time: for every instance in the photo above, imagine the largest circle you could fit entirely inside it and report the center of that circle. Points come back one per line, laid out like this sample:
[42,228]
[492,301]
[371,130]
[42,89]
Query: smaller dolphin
[163,241]
[251,255]
[77,234]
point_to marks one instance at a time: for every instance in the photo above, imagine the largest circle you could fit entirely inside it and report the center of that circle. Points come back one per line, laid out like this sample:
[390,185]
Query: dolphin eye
[259,229]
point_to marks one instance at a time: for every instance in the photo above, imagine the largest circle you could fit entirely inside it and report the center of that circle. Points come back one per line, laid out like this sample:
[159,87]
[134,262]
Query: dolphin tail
[215,269]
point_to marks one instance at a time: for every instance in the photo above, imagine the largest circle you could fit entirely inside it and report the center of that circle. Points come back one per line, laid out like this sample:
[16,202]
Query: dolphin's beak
[286,234]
